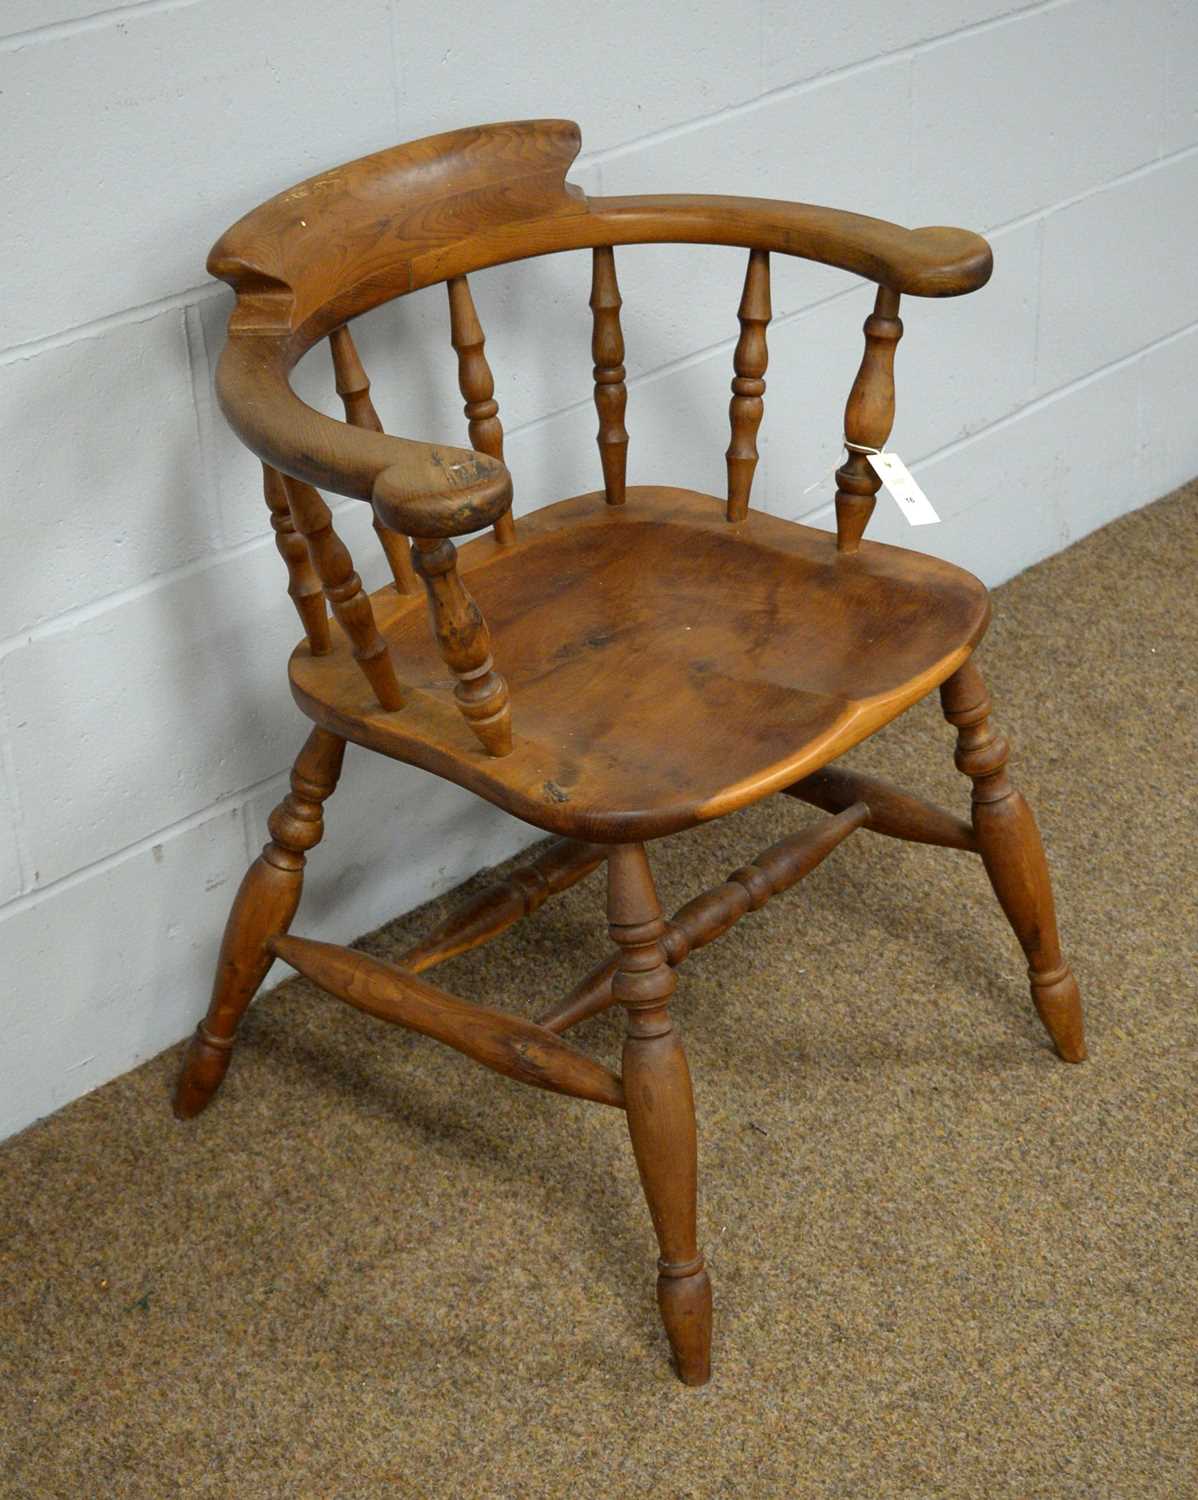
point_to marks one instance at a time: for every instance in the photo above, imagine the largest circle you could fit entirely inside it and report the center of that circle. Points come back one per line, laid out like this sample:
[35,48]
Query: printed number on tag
[900,483]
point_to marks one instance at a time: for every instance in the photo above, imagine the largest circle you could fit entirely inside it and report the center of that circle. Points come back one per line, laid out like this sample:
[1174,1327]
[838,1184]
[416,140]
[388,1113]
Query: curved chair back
[310,260]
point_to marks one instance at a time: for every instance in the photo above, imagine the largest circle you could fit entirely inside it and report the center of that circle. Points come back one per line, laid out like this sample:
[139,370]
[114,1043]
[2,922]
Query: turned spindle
[892,812]
[525,890]
[611,394]
[497,1039]
[868,418]
[710,915]
[302,582]
[343,589]
[660,1108]
[465,645]
[354,389]
[1013,854]
[477,385]
[748,385]
[264,907]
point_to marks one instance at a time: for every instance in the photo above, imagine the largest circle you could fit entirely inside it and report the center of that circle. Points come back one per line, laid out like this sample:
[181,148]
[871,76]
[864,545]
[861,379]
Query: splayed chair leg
[660,1108]
[1013,854]
[264,907]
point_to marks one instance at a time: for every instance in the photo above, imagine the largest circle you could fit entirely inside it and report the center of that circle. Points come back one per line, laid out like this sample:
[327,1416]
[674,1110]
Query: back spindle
[303,584]
[477,386]
[343,588]
[868,418]
[748,386]
[354,390]
[611,394]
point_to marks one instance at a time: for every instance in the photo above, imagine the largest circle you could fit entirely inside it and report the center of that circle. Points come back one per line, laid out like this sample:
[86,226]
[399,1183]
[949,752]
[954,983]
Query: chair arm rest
[931,262]
[423,489]
[442,492]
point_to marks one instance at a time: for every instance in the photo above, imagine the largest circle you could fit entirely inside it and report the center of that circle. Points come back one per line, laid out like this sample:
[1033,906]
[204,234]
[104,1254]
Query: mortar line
[12,787]
[240,799]
[68,619]
[198,380]
[193,296]
[946,450]
[96,21]
[1041,236]
[232,802]
[805,85]
[96,327]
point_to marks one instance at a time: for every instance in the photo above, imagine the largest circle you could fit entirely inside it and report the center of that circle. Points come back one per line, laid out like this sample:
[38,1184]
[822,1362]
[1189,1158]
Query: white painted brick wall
[145,722]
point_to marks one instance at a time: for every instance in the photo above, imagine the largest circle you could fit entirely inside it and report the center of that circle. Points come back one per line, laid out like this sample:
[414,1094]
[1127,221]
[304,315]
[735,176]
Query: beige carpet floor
[945,1264]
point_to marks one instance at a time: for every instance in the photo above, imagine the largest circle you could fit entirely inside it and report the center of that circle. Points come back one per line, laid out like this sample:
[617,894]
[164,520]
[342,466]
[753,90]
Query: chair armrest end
[442,492]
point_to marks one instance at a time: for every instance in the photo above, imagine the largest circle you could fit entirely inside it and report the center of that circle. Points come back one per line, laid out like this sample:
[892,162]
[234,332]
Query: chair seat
[665,666]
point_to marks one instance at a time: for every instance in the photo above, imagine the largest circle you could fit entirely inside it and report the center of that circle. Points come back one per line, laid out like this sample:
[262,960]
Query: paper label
[900,483]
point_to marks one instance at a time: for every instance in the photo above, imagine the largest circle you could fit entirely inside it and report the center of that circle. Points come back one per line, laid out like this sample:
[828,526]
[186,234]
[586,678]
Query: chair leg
[1011,850]
[661,1109]
[263,907]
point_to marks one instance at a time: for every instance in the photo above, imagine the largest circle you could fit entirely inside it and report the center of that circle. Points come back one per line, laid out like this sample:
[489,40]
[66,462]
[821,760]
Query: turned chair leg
[262,909]
[1011,850]
[661,1108]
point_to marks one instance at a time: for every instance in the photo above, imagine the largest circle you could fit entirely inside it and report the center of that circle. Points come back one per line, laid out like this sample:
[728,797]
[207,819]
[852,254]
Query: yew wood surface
[665,667]
[613,668]
[503,1042]
[360,234]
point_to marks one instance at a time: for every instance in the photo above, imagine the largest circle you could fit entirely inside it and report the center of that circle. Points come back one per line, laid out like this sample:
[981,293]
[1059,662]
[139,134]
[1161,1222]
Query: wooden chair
[620,666]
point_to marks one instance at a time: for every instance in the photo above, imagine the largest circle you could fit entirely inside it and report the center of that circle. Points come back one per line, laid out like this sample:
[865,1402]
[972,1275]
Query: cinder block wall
[145,723]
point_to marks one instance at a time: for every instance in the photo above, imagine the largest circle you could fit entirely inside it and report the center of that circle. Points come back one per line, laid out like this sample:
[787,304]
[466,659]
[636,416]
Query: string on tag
[898,480]
[852,448]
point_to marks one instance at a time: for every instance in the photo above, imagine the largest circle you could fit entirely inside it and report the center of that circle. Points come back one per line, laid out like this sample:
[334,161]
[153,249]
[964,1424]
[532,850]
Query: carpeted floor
[945,1264]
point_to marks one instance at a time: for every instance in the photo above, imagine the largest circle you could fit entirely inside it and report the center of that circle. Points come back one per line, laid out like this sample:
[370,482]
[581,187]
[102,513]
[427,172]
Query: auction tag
[900,482]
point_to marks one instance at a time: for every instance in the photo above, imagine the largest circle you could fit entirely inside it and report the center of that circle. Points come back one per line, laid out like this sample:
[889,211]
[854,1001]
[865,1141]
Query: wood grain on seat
[664,667]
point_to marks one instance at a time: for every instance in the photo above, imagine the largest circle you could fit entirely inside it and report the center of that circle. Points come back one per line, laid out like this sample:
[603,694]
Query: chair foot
[263,907]
[660,1109]
[203,1071]
[1058,1003]
[1013,854]
[685,1303]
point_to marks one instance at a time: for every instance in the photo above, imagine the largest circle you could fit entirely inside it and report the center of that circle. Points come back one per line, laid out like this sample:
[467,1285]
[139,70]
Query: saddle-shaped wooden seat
[667,668]
[612,669]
